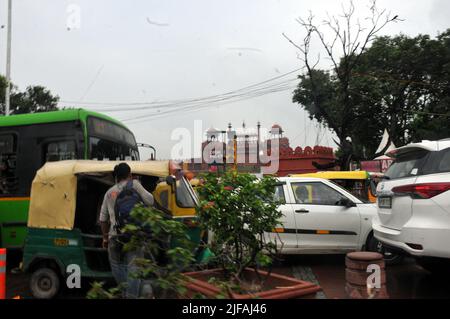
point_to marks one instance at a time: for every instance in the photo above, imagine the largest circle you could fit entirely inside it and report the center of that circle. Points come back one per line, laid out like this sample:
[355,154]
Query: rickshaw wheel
[44,283]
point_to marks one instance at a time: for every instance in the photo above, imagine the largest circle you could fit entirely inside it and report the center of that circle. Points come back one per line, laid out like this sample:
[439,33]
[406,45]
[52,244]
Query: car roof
[431,146]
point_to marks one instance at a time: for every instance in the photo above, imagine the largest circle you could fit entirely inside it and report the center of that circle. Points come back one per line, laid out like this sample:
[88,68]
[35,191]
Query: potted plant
[238,210]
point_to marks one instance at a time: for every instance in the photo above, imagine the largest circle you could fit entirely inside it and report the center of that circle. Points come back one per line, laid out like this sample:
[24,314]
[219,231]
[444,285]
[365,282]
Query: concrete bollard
[2,273]
[365,276]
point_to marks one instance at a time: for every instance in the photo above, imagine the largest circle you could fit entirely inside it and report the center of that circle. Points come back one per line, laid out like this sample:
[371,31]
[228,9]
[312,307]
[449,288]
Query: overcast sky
[145,51]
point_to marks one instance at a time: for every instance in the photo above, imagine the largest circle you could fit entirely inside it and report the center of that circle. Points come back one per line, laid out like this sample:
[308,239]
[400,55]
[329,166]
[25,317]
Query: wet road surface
[406,281]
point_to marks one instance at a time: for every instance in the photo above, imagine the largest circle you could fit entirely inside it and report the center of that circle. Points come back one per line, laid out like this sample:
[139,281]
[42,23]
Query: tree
[431,122]
[33,99]
[326,95]
[390,75]
[404,82]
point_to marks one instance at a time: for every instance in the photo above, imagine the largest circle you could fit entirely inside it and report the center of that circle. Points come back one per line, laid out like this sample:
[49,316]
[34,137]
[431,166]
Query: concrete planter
[275,287]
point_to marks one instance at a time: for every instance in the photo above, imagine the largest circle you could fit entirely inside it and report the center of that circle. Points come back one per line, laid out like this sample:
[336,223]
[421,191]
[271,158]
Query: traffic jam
[315,165]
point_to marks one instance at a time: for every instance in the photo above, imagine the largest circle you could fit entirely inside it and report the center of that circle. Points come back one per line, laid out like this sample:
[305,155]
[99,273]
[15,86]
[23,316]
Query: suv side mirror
[347,203]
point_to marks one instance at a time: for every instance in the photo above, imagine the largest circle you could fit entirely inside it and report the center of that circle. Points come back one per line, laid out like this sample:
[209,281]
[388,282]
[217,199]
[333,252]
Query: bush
[239,209]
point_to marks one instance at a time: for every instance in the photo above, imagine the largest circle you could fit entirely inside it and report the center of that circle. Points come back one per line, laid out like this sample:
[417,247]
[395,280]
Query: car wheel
[44,283]
[390,258]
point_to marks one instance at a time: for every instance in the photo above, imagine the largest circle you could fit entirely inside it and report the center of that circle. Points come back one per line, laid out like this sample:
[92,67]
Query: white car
[414,201]
[320,217]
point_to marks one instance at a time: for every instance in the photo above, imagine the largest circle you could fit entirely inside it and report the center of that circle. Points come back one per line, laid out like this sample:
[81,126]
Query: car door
[323,223]
[285,233]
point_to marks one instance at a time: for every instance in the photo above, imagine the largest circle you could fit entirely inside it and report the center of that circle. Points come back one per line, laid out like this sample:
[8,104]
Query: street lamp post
[8,61]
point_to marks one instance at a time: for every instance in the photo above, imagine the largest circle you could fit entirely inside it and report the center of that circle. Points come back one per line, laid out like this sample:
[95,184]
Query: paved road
[403,281]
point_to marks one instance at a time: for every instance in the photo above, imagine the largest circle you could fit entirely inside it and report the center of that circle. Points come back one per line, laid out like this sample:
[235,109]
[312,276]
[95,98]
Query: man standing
[122,263]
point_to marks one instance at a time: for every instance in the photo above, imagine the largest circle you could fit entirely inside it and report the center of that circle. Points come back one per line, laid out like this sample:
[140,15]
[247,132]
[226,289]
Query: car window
[406,165]
[437,162]
[444,165]
[315,193]
[279,194]
[356,187]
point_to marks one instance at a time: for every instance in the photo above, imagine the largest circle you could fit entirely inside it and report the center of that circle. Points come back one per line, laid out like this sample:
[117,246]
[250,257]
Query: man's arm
[105,231]
[146,196]
[104,222]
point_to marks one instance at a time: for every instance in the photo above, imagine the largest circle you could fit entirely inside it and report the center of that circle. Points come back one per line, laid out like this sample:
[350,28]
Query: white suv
[414,201]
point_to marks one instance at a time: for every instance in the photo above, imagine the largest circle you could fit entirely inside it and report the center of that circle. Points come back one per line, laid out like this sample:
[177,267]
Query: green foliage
[99,292]
[309,94]
[399,83]
[33,99]
[167,249]
[226,287]
[239,209]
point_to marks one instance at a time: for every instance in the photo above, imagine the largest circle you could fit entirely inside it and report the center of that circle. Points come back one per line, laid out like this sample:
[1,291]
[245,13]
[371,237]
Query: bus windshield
[109,141]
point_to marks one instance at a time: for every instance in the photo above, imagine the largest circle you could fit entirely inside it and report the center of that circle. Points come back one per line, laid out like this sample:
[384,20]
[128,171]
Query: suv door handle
[302,211]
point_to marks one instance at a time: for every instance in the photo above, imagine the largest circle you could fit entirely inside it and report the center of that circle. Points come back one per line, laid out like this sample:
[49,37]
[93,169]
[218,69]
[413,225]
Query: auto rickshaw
[63,226]
[359,183]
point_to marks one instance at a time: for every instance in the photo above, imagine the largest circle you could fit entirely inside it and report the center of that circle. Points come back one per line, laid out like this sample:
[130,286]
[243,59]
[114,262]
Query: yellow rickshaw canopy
[336,175]
[54,188]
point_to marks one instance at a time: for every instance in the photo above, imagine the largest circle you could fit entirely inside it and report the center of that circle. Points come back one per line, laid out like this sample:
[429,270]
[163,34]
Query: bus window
[60,151]
[8,161]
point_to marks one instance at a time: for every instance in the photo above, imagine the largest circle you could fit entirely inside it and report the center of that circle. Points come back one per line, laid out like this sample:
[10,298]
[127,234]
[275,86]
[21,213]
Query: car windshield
[407,164]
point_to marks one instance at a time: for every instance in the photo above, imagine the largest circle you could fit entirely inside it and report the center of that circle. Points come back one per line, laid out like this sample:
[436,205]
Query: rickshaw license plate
[61,242]
[385,202]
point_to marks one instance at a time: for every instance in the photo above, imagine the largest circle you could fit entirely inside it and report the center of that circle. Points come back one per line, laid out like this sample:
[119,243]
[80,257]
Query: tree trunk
[347,154]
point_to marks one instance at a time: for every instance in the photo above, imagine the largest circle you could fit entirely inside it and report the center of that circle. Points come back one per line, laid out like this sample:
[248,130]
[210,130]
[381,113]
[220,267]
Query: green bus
[28,141]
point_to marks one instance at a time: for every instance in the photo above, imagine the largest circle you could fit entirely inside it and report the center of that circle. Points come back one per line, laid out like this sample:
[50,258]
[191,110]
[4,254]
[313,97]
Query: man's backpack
[126,200]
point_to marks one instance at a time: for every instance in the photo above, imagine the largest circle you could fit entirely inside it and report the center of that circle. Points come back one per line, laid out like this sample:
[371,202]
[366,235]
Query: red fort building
[250,150]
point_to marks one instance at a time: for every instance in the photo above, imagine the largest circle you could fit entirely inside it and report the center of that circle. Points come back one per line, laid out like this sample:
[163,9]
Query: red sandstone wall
[300,160]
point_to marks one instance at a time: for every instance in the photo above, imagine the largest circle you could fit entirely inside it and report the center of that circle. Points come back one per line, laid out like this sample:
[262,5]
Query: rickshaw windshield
[185,195]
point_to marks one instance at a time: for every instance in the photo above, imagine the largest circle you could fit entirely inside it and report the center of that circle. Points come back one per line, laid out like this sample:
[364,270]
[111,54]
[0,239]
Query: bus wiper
[386,177]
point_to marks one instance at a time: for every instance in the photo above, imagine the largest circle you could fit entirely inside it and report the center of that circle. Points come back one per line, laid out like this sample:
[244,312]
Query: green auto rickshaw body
[66,197]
